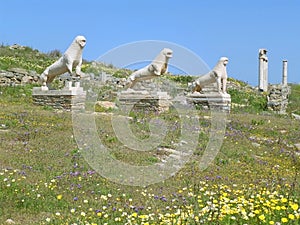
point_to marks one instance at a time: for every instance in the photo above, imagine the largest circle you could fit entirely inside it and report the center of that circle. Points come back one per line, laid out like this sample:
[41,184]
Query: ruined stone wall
[18,76]
[278,97]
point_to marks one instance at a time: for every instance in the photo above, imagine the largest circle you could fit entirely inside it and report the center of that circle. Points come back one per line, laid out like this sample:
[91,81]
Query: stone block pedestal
[144,100]
[211,100]
[66,98]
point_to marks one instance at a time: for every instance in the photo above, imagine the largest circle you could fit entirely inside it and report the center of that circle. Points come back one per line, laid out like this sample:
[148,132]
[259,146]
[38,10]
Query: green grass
[294,100]
[245,99]
[27,58]
[44,177]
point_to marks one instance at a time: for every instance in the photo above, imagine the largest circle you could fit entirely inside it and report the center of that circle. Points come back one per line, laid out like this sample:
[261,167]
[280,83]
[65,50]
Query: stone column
[284,72]
[263,70]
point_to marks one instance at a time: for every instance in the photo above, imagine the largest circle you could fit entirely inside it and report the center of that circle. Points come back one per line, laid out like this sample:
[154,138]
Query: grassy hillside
[45,179]
[26,58]
[31,59]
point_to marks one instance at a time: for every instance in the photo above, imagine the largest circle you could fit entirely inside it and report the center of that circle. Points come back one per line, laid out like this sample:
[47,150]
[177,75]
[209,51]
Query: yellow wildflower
[59,197]
[291,217]
[294,206]
[262,217]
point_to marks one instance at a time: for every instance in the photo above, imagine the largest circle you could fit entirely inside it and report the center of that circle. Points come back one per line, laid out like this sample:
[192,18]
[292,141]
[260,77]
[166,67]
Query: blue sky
[211,29]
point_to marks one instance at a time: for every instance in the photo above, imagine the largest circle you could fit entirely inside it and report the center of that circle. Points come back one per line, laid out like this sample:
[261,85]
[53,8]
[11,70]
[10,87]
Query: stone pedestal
[66,98]
[141,100]
[211,100]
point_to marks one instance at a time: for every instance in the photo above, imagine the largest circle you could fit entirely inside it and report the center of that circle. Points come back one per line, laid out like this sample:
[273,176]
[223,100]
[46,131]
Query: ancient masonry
[66,98]
[263,70]
[278,96]
[18,76]
[211,99]
[144,97]
[209,90]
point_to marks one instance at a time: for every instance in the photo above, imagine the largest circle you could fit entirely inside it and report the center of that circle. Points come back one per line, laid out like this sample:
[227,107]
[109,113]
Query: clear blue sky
[209,28]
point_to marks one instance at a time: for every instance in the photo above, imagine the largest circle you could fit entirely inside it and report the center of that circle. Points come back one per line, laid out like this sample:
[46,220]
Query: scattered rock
[296,116]
[297,146]
[256,144]
[106,104]
[27,79]
[10,221]
[235,105]
[18,70]
[16,46]
[18,76]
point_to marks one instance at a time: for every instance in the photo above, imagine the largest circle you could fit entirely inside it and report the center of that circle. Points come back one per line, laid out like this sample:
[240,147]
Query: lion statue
[218,75]
[72,58]
[158,67]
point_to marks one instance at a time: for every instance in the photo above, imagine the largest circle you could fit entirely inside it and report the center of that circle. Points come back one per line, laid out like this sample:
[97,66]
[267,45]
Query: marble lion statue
[158,67]
[218,74]
[72,58]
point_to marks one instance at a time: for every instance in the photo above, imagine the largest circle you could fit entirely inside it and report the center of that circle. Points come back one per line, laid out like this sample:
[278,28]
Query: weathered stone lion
[72,58]
[218,75]
[157,67]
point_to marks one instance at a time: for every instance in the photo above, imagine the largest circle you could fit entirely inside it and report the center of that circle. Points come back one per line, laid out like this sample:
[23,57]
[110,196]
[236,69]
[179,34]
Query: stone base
[144,101]
[65,98]
[212,100]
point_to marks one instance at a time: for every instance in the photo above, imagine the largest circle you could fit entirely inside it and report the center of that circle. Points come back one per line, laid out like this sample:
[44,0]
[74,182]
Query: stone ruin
[66,98]
[263,70]
[277,94]
[209,90]
[142,93]
[278,98]
[146,96]
[18,76]
[71,95]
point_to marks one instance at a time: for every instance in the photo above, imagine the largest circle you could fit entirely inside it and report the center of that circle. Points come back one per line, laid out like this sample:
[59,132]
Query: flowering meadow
[44,178]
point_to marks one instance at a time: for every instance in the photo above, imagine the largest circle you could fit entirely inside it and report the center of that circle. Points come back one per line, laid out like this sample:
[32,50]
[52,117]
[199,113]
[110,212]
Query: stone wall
[278,97]
[18,76]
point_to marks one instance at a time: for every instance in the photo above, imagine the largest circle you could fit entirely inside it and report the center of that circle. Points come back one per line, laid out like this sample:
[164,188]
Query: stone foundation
[210,99]
[65,98]
[144,101]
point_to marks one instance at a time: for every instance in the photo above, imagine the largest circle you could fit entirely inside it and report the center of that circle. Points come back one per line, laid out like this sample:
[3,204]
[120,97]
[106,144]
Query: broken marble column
[284,72]
[263,70]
